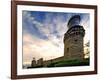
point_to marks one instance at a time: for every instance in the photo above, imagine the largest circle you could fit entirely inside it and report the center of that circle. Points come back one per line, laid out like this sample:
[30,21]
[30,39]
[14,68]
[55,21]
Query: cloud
[43,37]
[34,47]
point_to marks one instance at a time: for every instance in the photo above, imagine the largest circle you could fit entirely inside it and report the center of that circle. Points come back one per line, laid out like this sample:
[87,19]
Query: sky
[43,33]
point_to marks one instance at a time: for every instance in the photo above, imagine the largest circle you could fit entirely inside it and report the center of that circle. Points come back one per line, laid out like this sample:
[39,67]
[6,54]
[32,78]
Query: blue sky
[43,33]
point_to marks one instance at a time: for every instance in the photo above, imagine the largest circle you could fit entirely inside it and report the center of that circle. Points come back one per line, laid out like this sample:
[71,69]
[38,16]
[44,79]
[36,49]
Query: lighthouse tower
[74,39]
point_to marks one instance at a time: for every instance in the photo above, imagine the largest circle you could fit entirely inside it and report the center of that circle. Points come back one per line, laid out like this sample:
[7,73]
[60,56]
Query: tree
[87,47]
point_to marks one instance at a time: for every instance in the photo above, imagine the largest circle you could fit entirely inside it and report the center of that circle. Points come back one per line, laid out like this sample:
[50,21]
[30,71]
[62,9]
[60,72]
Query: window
[67,50]
[75,40]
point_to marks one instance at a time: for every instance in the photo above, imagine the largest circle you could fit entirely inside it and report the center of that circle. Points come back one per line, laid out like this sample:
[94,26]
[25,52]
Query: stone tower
[73,39]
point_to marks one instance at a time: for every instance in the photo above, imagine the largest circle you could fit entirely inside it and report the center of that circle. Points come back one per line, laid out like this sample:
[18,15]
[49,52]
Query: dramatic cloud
[43,33]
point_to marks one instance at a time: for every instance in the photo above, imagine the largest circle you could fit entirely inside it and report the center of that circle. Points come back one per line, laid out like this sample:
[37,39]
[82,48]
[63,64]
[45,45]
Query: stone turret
[73,39]
[33,63]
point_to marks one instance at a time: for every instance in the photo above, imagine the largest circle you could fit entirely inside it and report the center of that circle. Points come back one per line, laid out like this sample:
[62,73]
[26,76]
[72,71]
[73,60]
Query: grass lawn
[74,62]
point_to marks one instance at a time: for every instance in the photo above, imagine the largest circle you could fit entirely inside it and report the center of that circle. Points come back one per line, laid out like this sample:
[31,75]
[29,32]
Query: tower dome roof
[74,20]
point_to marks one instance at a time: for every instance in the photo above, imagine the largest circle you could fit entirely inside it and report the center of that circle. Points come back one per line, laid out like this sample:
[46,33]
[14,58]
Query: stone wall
[45,63]
[73,47]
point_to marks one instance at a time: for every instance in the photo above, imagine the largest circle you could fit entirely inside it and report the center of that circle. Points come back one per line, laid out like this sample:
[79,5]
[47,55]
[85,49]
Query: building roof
[73,19]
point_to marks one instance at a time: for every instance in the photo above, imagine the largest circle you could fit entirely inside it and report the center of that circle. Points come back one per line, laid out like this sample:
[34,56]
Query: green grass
[74,62]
